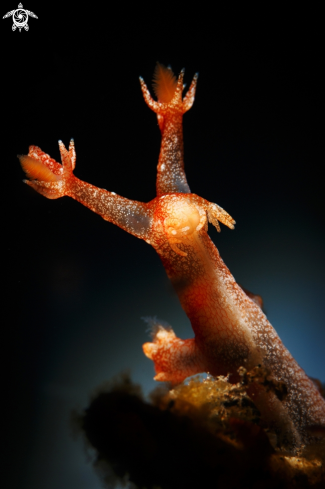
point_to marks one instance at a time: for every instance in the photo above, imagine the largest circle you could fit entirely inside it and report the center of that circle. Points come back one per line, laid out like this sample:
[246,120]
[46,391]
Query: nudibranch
[231,331]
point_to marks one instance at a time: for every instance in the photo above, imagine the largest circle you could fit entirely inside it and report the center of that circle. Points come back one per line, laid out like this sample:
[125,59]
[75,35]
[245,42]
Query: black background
[75,287]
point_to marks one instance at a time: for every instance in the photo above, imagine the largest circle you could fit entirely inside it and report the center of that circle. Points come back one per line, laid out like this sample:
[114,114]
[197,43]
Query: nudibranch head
[184,219]
[181,219]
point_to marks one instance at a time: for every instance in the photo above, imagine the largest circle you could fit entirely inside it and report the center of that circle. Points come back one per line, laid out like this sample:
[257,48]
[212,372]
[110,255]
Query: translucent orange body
[231,330]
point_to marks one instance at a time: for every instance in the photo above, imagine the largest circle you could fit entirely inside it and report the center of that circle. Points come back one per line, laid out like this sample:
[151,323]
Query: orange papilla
[36,170]
[164,83]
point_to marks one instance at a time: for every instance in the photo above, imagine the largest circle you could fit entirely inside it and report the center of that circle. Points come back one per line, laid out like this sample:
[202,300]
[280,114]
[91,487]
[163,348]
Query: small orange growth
[35,170]
[164,83]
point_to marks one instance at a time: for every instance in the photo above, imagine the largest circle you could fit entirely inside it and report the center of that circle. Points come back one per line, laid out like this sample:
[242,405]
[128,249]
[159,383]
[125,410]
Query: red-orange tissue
[231,331]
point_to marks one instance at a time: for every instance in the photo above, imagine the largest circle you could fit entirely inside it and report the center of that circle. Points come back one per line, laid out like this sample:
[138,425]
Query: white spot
[163,166]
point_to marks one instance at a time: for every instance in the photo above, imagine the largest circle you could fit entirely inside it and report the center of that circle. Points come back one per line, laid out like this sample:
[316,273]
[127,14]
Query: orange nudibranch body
[231,330]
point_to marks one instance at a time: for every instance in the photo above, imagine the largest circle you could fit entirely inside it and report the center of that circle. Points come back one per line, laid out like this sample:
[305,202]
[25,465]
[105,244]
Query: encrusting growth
[231,330]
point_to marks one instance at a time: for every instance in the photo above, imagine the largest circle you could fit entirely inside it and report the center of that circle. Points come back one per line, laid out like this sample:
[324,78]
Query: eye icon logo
[20,18]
